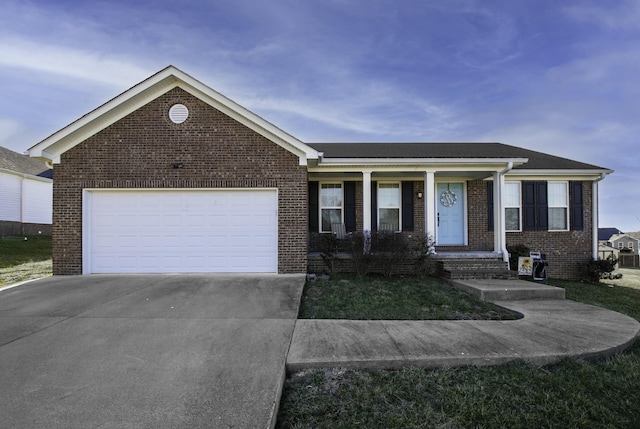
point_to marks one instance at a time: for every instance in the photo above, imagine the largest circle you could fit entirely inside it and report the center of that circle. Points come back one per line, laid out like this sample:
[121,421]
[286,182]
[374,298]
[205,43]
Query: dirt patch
[23,272]
[630,278]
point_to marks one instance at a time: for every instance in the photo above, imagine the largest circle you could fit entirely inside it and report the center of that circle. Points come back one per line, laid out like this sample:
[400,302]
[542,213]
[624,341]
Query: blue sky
[559,77]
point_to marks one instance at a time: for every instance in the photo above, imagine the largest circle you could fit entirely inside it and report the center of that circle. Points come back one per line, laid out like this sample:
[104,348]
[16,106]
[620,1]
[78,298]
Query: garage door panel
[182,231]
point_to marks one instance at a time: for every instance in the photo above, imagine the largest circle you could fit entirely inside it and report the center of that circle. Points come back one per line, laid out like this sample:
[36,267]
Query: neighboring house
[171,176]
[625,243]
[26,193]
[605,252]
[604,234]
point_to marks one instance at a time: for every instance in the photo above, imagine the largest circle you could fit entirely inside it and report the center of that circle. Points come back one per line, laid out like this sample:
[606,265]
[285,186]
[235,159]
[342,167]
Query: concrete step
[507,290]
[475,268]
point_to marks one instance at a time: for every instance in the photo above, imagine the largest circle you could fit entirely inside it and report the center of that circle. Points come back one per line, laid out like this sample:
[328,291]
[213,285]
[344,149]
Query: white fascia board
[248,118]
[26,176]
[117,108]
[414,164]
[557,174]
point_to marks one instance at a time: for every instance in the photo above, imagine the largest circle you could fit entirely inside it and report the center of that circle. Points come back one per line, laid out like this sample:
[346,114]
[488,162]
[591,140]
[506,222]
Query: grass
[18,250]
[369,298]
[572,394]
[22,259]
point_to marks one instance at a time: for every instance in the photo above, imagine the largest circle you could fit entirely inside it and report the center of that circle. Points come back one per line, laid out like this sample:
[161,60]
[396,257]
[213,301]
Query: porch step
[508,290]
[474,268]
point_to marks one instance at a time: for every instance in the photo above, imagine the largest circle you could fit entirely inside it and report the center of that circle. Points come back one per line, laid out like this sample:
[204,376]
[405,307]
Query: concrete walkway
[551,329]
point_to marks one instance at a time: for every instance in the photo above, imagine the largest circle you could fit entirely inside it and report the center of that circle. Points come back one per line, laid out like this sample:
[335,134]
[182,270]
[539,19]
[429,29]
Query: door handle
[438,218]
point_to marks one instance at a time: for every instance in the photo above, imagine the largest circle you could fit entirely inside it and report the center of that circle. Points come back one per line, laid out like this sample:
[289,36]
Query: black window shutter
[542,207]
[490,205]
[407,206]
[374,206]
[577,207]
[314,226]
[529,203]
[350,206]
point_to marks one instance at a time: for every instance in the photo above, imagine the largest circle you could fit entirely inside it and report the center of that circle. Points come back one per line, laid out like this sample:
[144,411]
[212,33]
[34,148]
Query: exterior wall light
[419,195]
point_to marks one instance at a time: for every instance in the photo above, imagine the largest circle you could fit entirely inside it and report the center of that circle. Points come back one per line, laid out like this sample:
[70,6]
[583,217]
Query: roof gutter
[503,226]
[595,215]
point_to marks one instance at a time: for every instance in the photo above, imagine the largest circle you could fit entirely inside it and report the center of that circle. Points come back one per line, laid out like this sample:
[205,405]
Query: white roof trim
[129,101]
[26,175]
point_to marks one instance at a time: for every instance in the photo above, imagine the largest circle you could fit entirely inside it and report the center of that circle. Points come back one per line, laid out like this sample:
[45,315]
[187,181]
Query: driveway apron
[146,351]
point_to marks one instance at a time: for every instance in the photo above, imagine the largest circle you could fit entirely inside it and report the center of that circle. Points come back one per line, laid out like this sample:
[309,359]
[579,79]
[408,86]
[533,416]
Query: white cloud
[615,15]
[70,62]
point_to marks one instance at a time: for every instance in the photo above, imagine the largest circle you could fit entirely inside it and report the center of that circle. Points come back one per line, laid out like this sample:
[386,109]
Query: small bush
[362,253]
[329,248]
[423,249]
[597,269]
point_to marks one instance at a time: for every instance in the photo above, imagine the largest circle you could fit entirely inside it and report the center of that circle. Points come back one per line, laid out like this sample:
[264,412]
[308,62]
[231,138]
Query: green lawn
[357,298]
[572,394]
[19,250]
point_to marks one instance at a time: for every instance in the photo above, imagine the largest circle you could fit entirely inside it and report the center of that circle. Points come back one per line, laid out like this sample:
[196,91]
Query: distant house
[26,195]
[604,234]
[625,243]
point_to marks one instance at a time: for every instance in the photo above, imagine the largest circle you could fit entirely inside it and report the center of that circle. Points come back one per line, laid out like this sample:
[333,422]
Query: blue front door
[450,217]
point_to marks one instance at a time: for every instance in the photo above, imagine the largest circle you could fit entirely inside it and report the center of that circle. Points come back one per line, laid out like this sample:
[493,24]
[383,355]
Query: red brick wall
[565,250]
[217,152]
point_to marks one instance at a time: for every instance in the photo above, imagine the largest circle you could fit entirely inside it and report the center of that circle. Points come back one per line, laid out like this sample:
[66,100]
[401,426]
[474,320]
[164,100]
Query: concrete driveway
[145,351]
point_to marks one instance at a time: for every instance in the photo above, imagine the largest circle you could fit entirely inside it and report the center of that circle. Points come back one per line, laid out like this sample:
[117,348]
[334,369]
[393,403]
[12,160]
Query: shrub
[597,269]
[422,251]
[329,247]
[362,253]
[390,251]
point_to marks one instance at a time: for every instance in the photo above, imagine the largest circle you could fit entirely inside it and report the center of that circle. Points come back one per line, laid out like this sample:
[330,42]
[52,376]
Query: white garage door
[180,231]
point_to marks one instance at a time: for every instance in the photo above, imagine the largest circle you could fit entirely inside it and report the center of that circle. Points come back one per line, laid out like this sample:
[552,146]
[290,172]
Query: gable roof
[604,234]
[622,236]
[165,80]
[529,159]
[16,162]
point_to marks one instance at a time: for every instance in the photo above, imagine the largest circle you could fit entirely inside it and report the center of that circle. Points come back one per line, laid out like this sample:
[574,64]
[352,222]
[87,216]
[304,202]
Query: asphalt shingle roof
[537,160]
[10,160]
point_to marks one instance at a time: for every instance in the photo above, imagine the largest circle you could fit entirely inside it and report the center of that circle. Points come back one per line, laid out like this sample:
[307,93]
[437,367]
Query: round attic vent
[178,113]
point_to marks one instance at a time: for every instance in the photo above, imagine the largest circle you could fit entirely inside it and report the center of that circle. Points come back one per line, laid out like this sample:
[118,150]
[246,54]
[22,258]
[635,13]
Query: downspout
[594,216]
[503,224]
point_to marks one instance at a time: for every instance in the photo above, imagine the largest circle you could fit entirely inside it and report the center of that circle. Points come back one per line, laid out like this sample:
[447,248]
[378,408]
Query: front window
[558,201]
[330,205]
[620,245]
[630,245]
[512,203]
[389,206]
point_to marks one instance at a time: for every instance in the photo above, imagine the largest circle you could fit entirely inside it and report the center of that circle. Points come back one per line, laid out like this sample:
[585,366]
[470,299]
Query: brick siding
[217,152]
[564,250]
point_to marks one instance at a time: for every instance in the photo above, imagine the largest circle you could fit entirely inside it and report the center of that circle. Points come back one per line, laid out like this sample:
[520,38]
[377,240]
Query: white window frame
[620,245]
[321,207]
[399,206]
[519,207]
[565,206]
[630,245]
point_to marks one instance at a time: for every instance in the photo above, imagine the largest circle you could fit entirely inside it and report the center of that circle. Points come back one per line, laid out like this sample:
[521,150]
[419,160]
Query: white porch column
[430,204]
[499,235]
[499,221]
[366,201]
